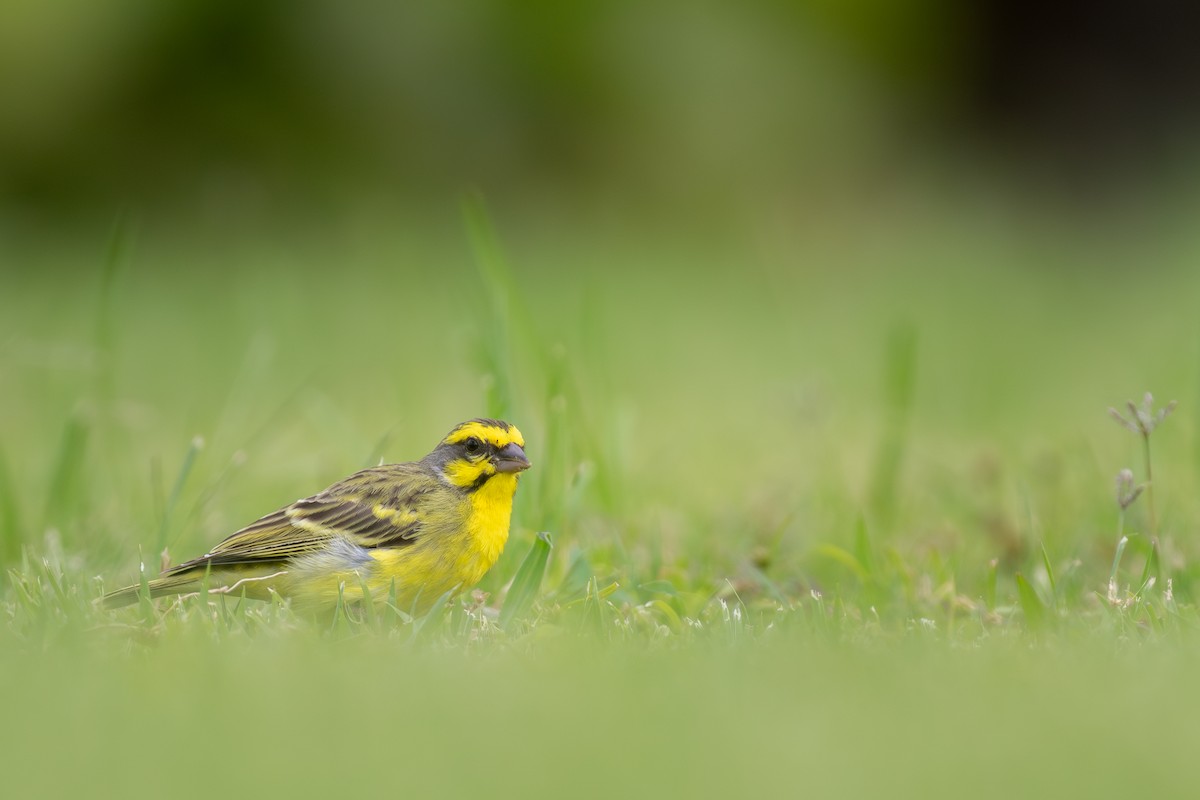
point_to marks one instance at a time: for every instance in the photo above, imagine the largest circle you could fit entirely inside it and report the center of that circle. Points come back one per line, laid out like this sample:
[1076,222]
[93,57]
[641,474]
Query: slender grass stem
[1150,510]
[185,469]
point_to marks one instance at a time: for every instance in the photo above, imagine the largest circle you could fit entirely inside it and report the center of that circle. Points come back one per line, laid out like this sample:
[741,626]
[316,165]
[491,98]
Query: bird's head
[478,450]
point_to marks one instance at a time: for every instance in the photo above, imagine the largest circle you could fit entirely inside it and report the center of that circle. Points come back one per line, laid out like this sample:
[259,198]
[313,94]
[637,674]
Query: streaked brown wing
[368,522]
[378,507]
[271,539]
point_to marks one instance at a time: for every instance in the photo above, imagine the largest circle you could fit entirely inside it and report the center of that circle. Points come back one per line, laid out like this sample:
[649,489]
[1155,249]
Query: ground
[831,513]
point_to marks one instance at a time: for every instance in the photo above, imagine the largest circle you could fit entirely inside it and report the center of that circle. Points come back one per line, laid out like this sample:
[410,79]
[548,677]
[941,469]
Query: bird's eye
[473,446]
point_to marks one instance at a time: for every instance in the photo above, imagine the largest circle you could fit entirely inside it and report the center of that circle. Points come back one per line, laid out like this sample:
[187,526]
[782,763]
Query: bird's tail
[175,584]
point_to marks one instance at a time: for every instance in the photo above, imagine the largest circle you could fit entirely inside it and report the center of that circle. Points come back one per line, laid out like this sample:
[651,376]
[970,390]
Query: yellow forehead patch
[493,432]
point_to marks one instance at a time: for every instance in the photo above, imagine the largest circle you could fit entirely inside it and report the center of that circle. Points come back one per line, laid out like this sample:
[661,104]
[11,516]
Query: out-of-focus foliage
[245,110]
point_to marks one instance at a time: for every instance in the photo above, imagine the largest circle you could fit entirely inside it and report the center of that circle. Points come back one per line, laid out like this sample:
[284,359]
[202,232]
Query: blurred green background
[231,115]
[724,228]
[811,310]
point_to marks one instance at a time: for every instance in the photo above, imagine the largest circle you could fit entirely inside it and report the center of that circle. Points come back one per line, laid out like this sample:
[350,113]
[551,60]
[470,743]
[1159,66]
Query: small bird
[411,531]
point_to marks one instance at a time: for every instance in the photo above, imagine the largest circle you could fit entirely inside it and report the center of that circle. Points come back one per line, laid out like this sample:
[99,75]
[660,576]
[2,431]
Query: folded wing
[373,508]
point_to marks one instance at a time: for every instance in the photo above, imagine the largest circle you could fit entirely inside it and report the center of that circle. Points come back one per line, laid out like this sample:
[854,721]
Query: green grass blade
[575,580]
[495,344]
[368,602]
[1031,604]
[845,558]
[145,602]
[989,596]
[552,477]
[431,621]
[66,496]
[527,582]
[11,539]
[185,469]
[1049,570]
[1152,567]
[658,587]
[116,262]
[1116,564]
[862,546]
[340,619]
[593,617]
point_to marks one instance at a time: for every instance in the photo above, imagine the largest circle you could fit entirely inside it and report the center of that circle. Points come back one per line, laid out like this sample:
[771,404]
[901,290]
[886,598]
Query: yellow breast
[441,561]
[487,526]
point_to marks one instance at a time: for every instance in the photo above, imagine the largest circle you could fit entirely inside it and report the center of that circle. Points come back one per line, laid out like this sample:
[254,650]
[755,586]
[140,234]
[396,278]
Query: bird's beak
[511,458]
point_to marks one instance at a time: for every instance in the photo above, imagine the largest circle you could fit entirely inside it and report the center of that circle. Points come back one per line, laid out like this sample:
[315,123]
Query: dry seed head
[1132,426]
[1127,492]
[1142,420]
[1141,417]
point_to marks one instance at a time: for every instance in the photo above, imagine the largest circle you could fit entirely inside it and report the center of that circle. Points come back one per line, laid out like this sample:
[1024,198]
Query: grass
[840,530]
